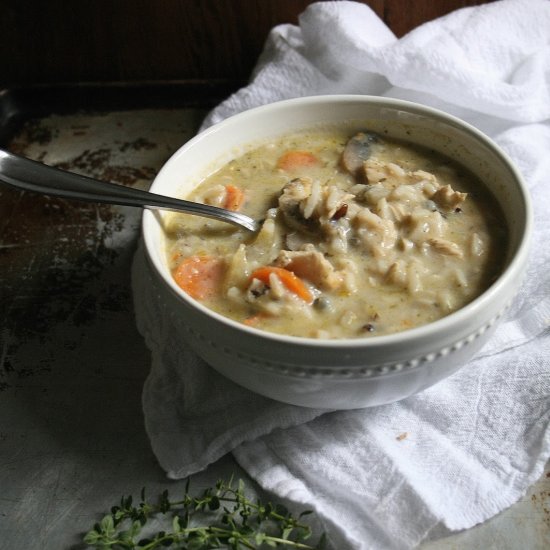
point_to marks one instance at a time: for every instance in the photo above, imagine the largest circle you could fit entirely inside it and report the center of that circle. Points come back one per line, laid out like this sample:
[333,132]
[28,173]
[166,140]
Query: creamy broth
[362,236]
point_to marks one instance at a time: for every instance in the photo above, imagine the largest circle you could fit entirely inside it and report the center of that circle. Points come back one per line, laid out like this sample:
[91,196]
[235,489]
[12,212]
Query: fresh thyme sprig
[220,517]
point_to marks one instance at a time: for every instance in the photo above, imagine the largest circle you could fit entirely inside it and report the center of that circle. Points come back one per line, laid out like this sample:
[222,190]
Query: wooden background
[66,41]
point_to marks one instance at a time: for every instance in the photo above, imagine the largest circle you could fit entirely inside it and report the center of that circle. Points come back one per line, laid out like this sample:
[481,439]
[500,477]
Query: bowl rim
[408,336]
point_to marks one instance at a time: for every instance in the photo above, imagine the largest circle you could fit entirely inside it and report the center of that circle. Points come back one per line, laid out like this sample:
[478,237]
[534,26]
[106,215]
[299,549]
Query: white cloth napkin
[463,450]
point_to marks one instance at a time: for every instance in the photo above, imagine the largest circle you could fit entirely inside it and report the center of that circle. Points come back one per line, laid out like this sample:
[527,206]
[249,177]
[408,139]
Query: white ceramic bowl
[351,373]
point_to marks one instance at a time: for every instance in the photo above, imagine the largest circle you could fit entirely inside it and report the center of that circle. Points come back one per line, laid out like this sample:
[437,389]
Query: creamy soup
[362,236]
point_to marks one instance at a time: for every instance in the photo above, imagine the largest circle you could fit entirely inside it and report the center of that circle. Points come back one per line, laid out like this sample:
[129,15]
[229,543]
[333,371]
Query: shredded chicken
[312,266]
[448,199]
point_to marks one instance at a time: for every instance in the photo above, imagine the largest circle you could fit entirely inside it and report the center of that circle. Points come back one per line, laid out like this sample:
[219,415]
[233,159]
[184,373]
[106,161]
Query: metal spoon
[30,175]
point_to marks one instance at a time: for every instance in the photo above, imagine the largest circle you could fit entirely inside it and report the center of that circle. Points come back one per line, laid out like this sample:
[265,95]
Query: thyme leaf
[219,517]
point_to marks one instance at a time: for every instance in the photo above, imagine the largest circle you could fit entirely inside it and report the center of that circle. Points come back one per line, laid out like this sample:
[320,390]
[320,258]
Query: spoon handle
[34,176]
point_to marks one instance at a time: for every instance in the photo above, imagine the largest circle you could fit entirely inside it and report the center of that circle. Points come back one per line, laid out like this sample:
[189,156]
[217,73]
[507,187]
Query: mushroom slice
[358,150]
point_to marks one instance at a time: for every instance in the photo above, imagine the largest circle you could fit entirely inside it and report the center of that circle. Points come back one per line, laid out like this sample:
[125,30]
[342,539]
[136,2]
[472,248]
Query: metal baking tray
[72,364]
[62,263]
[19,104]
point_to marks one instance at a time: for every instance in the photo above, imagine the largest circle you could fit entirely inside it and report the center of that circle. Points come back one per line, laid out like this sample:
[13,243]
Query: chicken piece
[375,171]
[294,194]
[307,205]
[393,176]
[311,265]
[295,191]
[448,199]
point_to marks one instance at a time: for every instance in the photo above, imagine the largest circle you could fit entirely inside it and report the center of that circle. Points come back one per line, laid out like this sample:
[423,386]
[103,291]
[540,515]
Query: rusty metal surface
[72,364]
[62,263]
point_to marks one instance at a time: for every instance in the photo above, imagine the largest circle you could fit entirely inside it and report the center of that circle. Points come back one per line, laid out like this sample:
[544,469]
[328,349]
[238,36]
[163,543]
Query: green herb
[220,517]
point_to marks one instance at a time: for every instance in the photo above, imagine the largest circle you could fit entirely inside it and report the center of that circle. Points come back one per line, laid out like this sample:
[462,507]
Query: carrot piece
[254,320]
[200,276]
[293,160]
[234,197]
[175,256]
[289,279]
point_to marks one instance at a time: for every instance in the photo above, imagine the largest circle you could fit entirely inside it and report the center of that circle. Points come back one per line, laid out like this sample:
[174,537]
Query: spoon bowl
[29,175]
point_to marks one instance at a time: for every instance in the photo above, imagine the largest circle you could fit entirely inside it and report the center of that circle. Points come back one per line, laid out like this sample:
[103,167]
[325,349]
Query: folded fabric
[459,452]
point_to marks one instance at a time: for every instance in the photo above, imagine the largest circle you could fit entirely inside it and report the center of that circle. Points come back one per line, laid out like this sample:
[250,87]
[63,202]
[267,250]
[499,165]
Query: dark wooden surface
[129,40]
